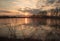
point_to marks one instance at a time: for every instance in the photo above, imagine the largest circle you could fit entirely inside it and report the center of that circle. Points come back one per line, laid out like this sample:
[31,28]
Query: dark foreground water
[34,28]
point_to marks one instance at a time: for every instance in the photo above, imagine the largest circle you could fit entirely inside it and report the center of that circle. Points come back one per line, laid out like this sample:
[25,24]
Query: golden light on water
[26,21]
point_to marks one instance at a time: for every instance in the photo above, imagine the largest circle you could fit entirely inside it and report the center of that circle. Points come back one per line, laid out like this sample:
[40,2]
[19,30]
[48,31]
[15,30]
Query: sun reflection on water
[26,20]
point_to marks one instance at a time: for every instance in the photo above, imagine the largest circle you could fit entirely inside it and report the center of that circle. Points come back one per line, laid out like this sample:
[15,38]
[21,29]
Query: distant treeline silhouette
[52,13]
[45,13]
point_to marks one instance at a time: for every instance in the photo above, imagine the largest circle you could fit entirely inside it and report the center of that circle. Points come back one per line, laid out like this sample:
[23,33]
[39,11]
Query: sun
[26,13]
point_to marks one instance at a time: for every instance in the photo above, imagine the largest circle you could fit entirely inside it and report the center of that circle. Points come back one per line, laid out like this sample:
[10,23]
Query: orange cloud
[7,12]
[13,13]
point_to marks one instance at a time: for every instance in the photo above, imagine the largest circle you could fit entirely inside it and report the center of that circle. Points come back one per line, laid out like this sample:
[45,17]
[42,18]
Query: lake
[35,28]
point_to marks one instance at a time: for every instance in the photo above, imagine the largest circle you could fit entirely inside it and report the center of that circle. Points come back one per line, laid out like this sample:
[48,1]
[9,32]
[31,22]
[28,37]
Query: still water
[36,28]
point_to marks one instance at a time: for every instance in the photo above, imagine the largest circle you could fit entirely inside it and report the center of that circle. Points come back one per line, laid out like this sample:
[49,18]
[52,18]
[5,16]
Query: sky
[15,5]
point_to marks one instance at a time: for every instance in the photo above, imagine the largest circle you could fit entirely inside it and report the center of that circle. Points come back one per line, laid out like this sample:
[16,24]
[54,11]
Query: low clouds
[51,1]
[7,13]
[13,2]
[48,3]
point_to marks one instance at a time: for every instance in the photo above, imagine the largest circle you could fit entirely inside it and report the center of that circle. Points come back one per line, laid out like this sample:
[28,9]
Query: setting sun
[26,14]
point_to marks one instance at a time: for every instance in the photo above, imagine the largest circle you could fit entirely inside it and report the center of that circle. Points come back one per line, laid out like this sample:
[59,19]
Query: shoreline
[51,17]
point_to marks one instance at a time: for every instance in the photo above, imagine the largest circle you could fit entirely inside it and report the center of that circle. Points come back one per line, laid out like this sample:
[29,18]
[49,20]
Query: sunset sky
[15,5]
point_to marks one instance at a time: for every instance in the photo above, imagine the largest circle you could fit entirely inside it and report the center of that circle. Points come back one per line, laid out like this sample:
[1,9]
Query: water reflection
[36,28]
[39,21]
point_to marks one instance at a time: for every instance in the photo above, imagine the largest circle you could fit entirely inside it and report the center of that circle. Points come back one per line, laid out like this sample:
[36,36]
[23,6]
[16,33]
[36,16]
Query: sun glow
[26,13]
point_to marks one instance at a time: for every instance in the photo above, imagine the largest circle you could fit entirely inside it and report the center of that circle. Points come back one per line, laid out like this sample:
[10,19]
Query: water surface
[35,28]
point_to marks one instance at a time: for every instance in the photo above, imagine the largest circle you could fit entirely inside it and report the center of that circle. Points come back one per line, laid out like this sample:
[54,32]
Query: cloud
[51,1]
[7,12]
[12,13]
[14,2]
[48,4]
